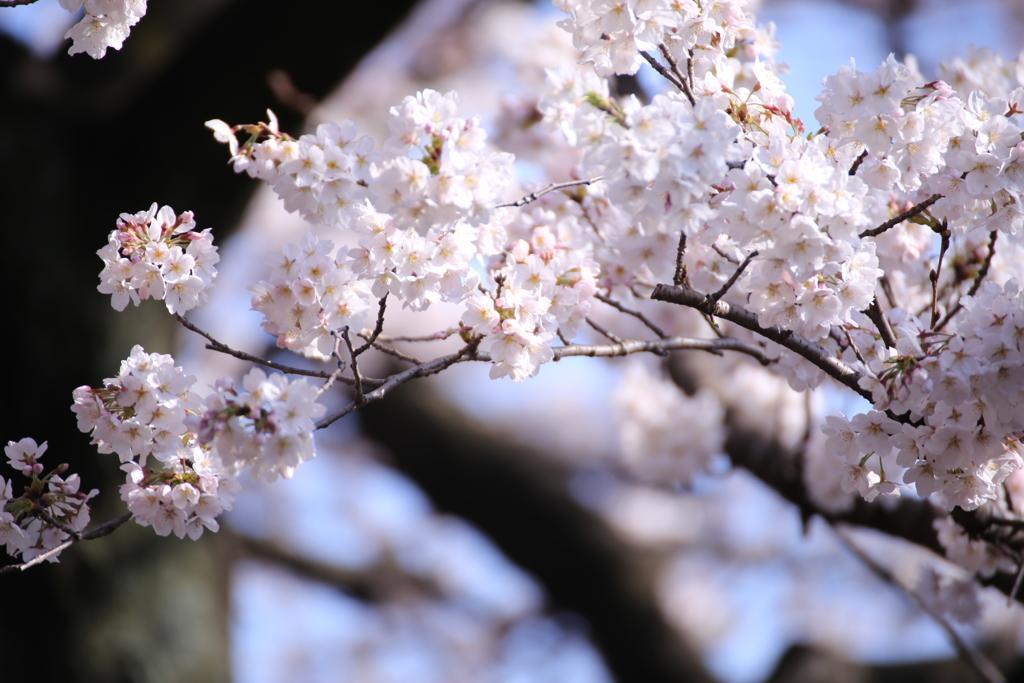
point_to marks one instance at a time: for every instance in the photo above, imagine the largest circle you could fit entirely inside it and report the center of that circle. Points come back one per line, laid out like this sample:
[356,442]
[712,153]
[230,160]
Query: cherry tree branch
[815,353]
[857,162]
[433,367]
[685,79]
[100,531]
[610,336]
[221,347]
[621,348]
[982,274]
[336,355]
[636,314]
[553,187]
[665,73]
[353,356]
[377,329]
[661,347]
[735,276]
[895,220]
[875,314]
[382,582]
[679,275]
[16,3]
[391,351]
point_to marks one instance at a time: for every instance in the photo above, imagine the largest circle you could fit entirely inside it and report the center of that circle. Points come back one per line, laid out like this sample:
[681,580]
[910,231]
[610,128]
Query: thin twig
[437,336]
[934,275]
[687,80]
[735,276]
[968,653]
[636,314]
[96,532]
[1016,585]
[665,73]
[689,68]
[391,351]
[378,328]
[895,220]
[815,353]
[887,290]
[336,354]
[435,366]
[611,336]
[853,347]
[624,348]
[357,378]
[553,187]
[220,347]
[982,274]
[15,3]
[718,250]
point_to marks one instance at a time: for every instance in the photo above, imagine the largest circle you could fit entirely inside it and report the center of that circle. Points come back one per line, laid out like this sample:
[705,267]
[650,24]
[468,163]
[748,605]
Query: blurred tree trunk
[520,498]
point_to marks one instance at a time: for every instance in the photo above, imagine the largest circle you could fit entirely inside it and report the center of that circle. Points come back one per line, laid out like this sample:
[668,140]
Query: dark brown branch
[982,274]
[377,329]
[735,276]
[357,380]
[875,314]
[895,220]
[815,353]
[665,73]
[679,277]
[685,81]
[220,347]
[661,347]
[379,583]
[395,353]
[433,367]
[857,162]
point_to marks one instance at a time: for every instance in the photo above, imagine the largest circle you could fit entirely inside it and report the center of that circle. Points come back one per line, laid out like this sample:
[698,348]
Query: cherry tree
[871,252]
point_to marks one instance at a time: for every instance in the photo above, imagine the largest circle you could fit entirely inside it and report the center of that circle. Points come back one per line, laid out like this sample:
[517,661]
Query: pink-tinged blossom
[157,254]
[267,426]
[50,508]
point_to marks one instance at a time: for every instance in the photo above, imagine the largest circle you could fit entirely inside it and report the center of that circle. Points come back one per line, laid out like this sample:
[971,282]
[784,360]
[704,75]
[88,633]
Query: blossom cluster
[106,24]
[309,296]
[157,254]
[611,35]
[809,206]
[962,391]
[141,414]
[150,413]
[424,210]
[49,511]
[266,426]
